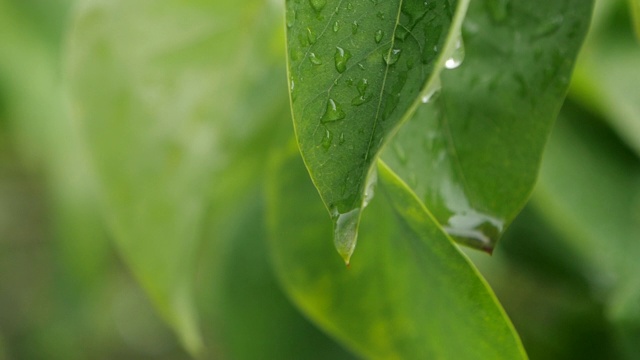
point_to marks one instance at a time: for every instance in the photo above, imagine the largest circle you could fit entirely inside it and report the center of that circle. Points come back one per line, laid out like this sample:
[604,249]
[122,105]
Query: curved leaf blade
[356,69]
[411,295]
[472,153]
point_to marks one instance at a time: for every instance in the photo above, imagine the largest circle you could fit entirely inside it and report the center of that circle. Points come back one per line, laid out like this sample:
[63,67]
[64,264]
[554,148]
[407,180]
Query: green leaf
[271,328]
[589,190]
[635,14]
[472,152]
[162,90]
[411,294]
[607,77]
[356,71]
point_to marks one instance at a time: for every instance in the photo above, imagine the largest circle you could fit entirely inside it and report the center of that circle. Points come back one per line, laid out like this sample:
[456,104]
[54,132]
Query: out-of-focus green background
[567,271]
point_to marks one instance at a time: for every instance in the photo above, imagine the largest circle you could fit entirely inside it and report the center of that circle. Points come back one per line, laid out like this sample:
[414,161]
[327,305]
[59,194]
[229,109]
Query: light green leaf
[162,90]
[410,295]
[589,190]
[607,76]
[356,71]
[472,152]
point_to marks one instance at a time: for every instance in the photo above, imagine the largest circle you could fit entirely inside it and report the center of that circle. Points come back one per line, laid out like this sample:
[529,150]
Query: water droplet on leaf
[457,56]
[379,35]
[318,5]
[392,57]
[341,57]
[333,112]
[354,28]
[311,35]
[327,139]
[336,26]
[314,59]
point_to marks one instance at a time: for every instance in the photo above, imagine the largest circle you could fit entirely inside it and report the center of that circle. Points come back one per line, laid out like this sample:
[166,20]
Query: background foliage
[140,190]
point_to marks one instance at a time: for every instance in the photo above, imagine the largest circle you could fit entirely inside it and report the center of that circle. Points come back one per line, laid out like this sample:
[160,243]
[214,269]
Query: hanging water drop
[378,36]
[345,232]
[369,187]
[318,5]
[314,59]
[333,112]
[392,57]
[457,56]
[341,57]
[432,91]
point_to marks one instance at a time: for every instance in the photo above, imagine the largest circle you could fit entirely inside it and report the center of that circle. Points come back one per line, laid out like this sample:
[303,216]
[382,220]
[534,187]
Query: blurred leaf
[635,14]
[607,73]
[472,152]
[162,90]
[411,294]
[250,316]
[589,189]
[356,72]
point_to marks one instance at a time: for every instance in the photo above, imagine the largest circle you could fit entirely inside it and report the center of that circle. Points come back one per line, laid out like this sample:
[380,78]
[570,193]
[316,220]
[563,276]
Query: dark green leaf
[162,90]
[356,70]
[589,190]
[410,295]
[472,153]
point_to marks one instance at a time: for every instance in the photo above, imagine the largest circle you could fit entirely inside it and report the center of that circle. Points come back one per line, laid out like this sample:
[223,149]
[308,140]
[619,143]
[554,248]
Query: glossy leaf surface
[410,295]
[356,69]
[472,152]
[161,89]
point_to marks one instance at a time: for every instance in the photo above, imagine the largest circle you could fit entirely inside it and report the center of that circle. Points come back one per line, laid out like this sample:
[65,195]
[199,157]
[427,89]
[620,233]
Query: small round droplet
[392,57]
[378,36]
[290,15]
[333,112]
[341,140]
[314,59]
[318,5]
[341,58]
[336,26]
[354,27]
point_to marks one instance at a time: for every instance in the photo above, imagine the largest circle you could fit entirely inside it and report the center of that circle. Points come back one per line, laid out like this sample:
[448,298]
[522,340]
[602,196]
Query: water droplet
[293,85]
[341,140]
[336,26]
[392,57]
[361,66]
[550,27]
[318,5]
[311,35]
[314,59]
[432,91]
[361,99]
[349,6]
[345,232]
[362,86]
[327,139]
[457,56]
[369,188]
[341,57]
[354,27]
[333,112]
[290,14]
[379,35]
